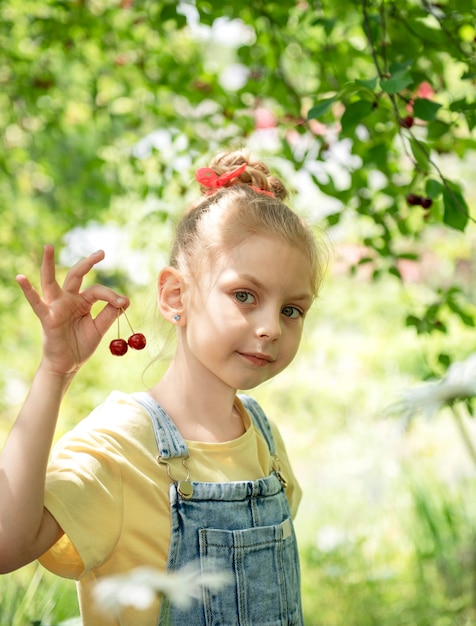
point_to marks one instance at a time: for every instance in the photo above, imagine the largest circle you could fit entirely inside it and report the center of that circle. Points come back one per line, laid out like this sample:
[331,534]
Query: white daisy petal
[139,587]
[458,384]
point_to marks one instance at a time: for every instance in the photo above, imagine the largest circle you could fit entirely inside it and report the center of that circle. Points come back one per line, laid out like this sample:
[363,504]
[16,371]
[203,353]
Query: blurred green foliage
[86,85]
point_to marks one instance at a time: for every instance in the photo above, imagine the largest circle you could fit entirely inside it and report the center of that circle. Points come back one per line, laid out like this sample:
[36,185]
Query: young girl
[189,470]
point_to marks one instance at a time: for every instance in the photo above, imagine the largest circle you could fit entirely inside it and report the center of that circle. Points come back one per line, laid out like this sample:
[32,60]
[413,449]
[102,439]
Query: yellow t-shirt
[110,495]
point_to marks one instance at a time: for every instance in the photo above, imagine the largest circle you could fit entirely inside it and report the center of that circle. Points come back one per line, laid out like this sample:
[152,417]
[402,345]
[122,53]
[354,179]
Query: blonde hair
[223,219]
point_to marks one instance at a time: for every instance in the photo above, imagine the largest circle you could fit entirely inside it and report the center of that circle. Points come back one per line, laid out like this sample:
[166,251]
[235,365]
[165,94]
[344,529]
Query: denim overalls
[242,527]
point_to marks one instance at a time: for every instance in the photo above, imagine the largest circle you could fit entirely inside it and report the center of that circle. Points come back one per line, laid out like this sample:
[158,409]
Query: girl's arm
[70,336]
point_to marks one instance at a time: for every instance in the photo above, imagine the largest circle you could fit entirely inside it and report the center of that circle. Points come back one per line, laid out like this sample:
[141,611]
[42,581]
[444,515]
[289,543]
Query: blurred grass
[34,596]
[386,525]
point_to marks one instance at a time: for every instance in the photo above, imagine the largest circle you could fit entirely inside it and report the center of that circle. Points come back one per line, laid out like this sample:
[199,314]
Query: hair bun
[256,173]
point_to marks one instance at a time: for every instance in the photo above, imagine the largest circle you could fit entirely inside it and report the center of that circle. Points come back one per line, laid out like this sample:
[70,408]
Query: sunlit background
[106,116]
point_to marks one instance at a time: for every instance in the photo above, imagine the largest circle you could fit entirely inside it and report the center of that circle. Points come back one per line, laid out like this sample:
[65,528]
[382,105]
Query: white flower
[458,384]
[139,587]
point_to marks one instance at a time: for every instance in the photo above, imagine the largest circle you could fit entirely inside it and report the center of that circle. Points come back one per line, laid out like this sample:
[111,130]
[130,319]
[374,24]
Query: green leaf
[467,109]
[433,188]
[397,82]
[453,304]
[437,129]
[444,359]
[420,152]
[400,67]
[469,75]
[327,24]
[461,105]
[425,109]
[456,212]
[370,84]
[367,87]
[320,108]
[412,320]
[471,120]
[410,256]
[466,318]
[333,219]
[354,112]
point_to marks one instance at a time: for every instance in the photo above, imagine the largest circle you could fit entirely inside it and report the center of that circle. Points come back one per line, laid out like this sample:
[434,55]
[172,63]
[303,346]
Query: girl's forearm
[24,535]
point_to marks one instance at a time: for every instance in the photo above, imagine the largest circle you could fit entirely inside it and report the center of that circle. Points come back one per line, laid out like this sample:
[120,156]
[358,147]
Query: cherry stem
[118,324]
[125,315]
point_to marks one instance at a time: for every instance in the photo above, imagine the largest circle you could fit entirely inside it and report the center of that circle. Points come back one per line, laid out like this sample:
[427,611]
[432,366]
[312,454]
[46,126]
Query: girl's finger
[115,304]
[74,277]
[31,295]
[49,285]
[95,293]
[106,318]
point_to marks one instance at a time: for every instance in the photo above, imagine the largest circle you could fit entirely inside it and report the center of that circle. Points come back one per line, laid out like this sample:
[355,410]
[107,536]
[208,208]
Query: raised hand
[70,333]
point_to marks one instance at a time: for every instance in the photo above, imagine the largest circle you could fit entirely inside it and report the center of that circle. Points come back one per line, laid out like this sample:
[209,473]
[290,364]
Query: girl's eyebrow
[307,296]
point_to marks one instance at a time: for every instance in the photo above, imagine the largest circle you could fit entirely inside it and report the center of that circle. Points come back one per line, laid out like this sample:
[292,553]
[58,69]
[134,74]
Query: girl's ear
[171,289]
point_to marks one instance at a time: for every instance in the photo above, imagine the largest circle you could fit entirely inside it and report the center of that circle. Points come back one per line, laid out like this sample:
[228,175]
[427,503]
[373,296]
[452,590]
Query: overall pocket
[266,583]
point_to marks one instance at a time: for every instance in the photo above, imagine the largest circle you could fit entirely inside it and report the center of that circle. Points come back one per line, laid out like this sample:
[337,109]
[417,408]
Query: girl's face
[244,319]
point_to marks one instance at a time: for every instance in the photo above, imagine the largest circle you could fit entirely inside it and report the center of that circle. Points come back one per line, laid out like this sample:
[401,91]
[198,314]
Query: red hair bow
[208,177]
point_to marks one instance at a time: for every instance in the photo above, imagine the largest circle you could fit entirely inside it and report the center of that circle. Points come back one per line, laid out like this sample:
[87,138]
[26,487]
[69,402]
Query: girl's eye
[244,297]
[292,312]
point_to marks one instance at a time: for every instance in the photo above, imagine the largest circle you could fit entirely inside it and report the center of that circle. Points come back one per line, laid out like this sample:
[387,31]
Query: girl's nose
[269,326]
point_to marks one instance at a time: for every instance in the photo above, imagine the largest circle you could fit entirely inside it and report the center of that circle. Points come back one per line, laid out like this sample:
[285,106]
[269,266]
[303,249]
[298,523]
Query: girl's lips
[257,359]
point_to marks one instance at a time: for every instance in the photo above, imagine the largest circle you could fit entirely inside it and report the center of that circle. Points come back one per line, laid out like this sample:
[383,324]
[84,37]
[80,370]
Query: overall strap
[260,420]
[169,441]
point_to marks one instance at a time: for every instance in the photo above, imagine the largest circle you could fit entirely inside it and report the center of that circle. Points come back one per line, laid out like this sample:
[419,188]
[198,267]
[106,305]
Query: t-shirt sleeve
[84,495]
[293,490]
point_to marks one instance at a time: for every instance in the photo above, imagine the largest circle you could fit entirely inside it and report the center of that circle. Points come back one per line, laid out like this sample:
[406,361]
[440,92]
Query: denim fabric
[241,527]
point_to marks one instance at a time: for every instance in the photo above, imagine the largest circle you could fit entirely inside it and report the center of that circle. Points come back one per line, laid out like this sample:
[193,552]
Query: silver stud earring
[176,317]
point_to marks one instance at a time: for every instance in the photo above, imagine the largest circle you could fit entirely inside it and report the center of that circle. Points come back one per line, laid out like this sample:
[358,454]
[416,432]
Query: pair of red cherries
[136,341]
